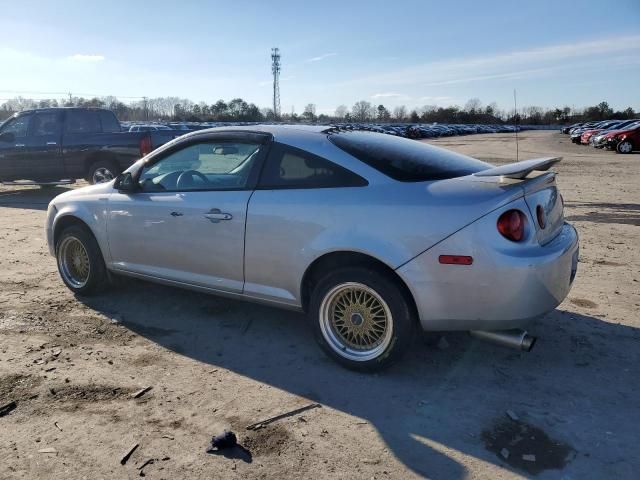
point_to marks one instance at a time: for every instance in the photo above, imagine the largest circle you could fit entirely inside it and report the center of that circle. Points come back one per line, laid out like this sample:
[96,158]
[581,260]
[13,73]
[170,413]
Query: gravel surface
[74,365]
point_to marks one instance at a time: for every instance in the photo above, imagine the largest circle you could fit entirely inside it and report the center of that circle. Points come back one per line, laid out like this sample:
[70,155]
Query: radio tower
[275,68]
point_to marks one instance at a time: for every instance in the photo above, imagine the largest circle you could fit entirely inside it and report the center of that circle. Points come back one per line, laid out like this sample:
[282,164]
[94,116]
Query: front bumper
[502,289]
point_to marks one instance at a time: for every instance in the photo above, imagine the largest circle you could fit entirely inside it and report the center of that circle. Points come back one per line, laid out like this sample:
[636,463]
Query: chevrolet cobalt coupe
[372,235]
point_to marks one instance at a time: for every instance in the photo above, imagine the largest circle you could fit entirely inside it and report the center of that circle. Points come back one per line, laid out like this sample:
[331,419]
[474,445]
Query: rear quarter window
[109,122]
[406,160]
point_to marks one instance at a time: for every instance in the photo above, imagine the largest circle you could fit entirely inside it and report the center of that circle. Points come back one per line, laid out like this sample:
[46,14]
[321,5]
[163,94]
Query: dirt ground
[451,409]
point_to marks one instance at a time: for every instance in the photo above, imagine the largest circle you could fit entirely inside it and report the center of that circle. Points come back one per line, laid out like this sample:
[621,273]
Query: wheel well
[65,222]
[335,260]
[98,156]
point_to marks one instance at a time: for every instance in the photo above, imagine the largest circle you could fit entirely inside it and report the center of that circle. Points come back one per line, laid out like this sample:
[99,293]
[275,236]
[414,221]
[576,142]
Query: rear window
[82,121]
[406,160]
[109,122]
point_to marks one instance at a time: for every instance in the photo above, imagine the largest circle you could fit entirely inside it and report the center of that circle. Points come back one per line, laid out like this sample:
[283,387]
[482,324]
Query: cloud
[389,95]
[320,57]
[79,57]
[535,62]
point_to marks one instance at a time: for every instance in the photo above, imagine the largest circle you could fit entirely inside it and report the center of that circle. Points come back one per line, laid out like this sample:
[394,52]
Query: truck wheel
[80,261]
[361,318]
[102,171]
[625,147]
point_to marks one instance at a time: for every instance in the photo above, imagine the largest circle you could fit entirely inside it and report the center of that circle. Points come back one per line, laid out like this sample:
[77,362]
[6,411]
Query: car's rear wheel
[102,171]
[624,146]
[80,261]
[361,317]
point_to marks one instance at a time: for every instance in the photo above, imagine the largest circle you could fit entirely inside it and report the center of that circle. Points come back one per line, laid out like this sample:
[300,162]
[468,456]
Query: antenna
[515,122]
[275,69]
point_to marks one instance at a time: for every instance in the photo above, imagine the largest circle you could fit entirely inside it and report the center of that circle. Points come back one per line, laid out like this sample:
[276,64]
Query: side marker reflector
[455,259]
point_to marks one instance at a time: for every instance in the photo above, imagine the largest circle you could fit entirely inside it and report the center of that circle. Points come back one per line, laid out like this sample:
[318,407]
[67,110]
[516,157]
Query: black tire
[624,147]
[97,278]
[401,309]
[104,168]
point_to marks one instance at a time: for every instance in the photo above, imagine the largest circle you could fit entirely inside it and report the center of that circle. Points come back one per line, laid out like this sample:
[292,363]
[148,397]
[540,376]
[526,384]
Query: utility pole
[70,101]
[275,69]
[515,122]
[146,110]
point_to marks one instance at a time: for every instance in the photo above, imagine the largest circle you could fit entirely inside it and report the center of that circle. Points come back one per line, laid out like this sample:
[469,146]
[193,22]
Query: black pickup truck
[53,146]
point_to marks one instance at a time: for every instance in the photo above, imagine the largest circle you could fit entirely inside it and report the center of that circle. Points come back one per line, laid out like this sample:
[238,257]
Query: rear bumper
[504,288]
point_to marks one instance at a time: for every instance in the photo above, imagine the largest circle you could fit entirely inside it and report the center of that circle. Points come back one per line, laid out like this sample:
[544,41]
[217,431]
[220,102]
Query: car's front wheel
[80,261]
[361,318]
[625,147]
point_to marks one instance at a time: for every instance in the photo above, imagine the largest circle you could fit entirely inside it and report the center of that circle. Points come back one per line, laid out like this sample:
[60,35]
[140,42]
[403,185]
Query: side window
[45,124]
[109,122]
[18,126]
[82,121]
[289,167]
[202,166]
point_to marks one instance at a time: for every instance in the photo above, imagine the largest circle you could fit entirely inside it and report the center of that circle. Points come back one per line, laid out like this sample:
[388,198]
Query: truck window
[18,126]
[109,122]
[45,124]
[82,121]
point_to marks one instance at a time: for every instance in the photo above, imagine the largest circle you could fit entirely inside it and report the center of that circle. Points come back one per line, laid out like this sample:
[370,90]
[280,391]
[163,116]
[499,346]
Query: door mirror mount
[125,183]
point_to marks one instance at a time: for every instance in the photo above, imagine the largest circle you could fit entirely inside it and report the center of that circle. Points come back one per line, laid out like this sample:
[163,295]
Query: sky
[413,53]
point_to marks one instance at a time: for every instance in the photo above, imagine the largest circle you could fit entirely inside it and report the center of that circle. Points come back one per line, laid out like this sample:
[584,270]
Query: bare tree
[341,112]
[362,111]
[400,113]
[309,112]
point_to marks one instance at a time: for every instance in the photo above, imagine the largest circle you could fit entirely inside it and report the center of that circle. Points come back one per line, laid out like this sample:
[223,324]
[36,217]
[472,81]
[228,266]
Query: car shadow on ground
[440,402]
[31,198]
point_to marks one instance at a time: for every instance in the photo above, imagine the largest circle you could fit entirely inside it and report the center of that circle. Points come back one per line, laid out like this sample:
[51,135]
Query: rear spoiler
[520,170]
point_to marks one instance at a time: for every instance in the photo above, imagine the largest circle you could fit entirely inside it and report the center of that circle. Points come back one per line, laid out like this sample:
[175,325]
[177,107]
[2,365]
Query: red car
[586,135]
[624,141]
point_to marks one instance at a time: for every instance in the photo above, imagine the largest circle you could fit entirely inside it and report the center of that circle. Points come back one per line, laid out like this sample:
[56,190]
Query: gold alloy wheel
[356,322]
[73,260]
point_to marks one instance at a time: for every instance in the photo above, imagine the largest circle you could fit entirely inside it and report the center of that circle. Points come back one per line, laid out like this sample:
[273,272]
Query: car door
[187,222]
[13,138]
[43,157]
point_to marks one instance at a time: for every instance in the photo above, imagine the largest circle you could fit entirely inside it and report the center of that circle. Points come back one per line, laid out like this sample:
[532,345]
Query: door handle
[176,214]
[52,143]
[20,145]
[215,215]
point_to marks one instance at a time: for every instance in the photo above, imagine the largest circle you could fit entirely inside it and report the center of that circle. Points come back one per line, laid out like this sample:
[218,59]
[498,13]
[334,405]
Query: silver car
[372,235]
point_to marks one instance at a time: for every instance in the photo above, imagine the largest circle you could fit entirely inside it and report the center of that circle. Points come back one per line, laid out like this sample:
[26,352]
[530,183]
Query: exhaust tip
[528,341]
[516,338]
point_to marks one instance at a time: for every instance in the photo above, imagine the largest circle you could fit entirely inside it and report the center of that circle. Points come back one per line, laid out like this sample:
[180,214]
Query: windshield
[406,160]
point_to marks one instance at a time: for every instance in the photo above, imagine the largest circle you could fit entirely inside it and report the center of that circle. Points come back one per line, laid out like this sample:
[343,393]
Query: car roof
[279,132]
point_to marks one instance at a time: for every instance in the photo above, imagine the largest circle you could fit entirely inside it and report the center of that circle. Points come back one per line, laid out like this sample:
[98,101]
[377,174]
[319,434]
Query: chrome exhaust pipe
[516,338]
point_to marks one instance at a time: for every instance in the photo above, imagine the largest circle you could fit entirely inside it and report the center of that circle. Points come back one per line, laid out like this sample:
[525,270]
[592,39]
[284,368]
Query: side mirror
[125,183]
[7,137]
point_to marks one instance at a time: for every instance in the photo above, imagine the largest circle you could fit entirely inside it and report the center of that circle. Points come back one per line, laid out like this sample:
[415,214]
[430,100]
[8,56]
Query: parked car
[624,141]
[596,139]
[60,145]
[371,234]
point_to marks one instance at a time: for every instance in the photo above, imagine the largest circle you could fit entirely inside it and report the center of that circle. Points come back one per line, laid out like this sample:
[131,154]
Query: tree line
[238,110]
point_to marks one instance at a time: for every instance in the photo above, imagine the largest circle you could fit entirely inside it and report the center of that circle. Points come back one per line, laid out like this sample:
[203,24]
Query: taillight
[540,215]
[511,225]
[145,145]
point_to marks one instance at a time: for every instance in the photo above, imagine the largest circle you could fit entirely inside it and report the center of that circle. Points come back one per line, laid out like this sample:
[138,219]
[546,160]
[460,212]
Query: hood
[100,188]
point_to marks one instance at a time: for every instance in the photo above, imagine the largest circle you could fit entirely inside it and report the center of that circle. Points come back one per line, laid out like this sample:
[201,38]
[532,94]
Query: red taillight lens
[511,225]
[145,145]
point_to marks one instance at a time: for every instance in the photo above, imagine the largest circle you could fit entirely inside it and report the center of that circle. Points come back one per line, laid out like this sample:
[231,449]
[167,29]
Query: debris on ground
[57,426]
[8,408]
[257,425]
[48,450]
[227,439]
[127,456]
[141,392]
[148,462]
[512,415]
